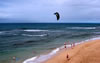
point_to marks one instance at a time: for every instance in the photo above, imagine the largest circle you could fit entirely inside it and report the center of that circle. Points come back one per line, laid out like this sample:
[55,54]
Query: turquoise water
[27,40]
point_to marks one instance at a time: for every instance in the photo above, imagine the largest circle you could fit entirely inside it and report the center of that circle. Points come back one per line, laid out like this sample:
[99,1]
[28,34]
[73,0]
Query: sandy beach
[87,52]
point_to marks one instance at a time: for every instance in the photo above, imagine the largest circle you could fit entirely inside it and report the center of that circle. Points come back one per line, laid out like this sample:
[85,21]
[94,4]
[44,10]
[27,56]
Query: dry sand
[88,52]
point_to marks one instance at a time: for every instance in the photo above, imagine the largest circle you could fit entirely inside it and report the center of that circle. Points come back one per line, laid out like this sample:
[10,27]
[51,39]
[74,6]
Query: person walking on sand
[67,57]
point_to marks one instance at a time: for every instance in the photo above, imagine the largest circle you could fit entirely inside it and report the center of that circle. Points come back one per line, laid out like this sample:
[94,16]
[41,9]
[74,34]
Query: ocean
[26,40]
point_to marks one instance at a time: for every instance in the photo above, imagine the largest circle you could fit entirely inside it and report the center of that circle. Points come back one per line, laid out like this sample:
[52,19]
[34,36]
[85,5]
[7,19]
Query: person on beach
[73,44]
[67,57]
[65,45]
[14,59]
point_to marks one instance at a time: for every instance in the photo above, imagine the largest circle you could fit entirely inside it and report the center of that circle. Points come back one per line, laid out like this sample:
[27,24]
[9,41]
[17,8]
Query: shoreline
[87,52]
[44,58]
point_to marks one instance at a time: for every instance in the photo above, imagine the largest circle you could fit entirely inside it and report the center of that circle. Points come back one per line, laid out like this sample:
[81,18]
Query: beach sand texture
[88,52]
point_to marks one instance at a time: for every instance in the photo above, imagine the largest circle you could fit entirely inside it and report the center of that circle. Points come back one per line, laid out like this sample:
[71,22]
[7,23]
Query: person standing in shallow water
[65,45]
[13,59]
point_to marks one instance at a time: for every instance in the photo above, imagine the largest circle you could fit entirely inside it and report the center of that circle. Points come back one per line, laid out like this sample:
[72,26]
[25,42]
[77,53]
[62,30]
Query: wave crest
[34,30]
[35,35]
[81,27]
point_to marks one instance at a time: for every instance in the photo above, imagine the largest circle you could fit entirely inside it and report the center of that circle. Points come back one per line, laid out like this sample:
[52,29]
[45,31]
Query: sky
[71,11]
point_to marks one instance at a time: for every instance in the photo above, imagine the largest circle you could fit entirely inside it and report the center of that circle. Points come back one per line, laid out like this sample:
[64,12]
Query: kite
[57,15]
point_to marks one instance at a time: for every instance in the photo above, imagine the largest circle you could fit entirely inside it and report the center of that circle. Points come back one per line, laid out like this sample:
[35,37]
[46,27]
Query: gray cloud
[42,10]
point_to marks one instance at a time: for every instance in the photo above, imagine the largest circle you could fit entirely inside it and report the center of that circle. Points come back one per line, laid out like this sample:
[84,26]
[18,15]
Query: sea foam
[81,27]
[34,30]
[35,35]
[41,58]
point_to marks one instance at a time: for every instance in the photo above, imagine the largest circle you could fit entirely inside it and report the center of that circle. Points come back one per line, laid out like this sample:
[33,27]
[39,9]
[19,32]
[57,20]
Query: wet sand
[87,52]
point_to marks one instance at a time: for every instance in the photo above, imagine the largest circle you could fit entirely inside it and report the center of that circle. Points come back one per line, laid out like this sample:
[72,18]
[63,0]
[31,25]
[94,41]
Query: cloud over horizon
[42,10]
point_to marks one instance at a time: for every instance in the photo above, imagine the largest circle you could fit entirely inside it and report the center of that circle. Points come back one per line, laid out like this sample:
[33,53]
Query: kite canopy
[57,15]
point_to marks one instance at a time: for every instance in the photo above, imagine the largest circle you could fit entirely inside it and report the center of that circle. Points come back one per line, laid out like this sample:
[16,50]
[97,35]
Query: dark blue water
[12,26]
[18,37]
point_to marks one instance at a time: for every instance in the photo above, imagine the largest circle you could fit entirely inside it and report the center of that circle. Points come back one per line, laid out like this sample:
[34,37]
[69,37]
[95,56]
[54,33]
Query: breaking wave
[81,27]
[34,30]
[35,35]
